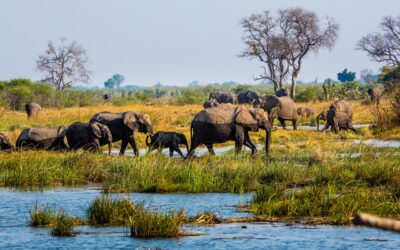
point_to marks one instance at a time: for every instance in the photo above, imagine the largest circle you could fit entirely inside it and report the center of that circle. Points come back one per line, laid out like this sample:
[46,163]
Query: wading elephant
[321,116]
[339,116]
[222,96]
[32,109]
[169,140]
[375,95]
[122,127]
[42,138]
[210,103]
[228,123]
[282,108]
[246,97]
[87,136]
[5,143]
[305,112]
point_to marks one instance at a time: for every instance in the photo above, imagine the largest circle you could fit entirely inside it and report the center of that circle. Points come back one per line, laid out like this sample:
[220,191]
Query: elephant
[169,140]
[5,143]
[122,127]
[282,92]
[87,136]
[321,116]
[246,97]
[375,95]
[283,108]
[210,103]
[305,112]
[228,123]
[43,138]
[32,109]
[222,96]
[338,120]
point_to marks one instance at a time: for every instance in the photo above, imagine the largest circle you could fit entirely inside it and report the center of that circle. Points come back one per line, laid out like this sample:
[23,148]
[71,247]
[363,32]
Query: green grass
[40,217]
[147,224]
[63,225]
[105,210]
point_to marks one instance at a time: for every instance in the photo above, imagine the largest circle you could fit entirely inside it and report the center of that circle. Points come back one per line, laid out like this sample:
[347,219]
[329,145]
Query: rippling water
[15,234]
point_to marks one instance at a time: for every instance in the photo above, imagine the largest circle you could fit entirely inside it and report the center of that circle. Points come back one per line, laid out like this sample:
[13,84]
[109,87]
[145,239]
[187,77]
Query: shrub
[63,225]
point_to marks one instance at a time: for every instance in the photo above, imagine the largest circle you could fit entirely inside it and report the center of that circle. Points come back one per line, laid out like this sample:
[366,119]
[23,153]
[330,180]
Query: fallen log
[377,222]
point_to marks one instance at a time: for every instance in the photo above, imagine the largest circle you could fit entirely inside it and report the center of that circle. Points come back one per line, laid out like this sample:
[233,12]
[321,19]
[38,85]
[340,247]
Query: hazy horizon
[173,42]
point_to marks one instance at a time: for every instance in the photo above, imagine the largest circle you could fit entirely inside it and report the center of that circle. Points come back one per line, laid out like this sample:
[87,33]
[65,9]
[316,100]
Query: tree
[346,76]
[282,42]
[114,81]
[383,46]
[64,65]
[367,75]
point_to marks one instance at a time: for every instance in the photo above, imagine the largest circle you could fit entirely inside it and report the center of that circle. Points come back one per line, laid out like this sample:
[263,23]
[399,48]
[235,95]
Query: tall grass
[106,210]
[41,216]
[63,225]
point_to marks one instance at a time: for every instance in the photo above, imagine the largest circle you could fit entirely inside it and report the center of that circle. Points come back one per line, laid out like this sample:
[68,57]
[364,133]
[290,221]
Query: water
[15,234]
[314,128]
[379,143]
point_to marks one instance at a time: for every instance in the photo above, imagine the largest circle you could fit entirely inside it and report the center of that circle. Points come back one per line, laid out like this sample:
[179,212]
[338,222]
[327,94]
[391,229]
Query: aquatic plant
[106,210]
[63,225]
[41,216]
[148,224]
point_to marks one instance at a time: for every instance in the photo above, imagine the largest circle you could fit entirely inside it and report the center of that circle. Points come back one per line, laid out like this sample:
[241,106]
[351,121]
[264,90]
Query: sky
[173,42]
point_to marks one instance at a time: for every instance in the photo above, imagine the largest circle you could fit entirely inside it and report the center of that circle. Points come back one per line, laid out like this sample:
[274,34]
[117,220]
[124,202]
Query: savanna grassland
[318,177]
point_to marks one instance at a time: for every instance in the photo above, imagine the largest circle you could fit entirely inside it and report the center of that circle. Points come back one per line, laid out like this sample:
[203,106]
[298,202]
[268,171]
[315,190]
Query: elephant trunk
[147,140]
[109,147]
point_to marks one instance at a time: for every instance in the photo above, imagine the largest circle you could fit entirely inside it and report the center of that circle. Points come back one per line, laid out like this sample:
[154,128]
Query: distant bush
[309,93]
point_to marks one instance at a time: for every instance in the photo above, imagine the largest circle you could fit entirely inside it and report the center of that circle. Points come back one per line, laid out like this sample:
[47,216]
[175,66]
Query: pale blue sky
[173,41]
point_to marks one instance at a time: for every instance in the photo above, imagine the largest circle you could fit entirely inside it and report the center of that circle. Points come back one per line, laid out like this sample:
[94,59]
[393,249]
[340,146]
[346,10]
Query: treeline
[14,94]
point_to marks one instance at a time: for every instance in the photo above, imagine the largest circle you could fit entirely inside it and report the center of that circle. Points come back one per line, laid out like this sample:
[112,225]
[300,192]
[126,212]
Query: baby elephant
[88,136]
[305,112]
[210,103]
[169,140]
[5,143]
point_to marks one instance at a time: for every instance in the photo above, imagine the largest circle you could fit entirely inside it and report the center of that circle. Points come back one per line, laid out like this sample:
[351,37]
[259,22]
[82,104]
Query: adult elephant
[5,143]
[88,136]
[375,95]
[339,116]
[123,125]
[246,97]
[222,96]
[32,109]
[228,123]
[282,108]
[42,138]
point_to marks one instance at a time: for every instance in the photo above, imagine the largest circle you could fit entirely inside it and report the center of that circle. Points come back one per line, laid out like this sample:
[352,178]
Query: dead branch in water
[377,222]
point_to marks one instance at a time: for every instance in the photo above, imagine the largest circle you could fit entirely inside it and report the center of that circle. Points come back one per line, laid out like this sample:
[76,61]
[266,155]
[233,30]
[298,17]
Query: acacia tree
[384,46]
[284,41]
[64,65]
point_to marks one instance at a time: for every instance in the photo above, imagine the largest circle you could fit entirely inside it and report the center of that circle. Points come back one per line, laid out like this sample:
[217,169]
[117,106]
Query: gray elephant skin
[282,92]
[375,95]
[5,143]
[282,108]
[222,96]
[210,103]
[169,140]
[228,123]
[339,116]
[32,109]
[122,127]
[87,136]
[246,97]
[42,138]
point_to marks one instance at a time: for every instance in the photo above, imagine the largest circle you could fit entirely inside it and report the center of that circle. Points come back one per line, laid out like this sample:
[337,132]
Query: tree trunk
[293,87]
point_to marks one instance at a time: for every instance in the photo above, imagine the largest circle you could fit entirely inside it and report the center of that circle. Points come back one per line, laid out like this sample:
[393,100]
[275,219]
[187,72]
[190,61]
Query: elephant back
[376,92]
[223,114]
[105,117]
[44,133]
[342,106]
[287,109]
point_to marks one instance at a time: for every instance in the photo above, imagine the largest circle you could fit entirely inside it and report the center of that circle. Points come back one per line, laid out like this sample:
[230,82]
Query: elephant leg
[327,125]
[193,145]
[210,149]
[248,143]
[282,121]
[132,142]
[335,126]
[123,147]
[239,138]
[171,151]
[294,121]
[177,149]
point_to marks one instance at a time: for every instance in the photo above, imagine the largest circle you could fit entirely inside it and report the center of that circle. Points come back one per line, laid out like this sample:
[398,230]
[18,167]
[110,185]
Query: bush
[105,210]
[63,225]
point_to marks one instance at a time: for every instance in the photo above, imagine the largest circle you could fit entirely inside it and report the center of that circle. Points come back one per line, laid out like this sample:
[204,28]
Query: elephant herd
[220,121]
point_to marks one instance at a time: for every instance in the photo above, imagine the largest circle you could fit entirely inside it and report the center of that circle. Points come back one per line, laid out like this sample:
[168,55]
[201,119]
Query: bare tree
[384,46]
[284,41]
[64,65]
[264,42]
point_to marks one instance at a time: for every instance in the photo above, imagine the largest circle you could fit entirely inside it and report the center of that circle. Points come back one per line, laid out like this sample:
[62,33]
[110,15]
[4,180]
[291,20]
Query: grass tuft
[40,217]
[106,210]
[63,225]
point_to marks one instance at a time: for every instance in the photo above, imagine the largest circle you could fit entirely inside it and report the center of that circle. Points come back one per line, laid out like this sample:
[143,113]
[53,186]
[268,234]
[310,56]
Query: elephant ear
[96,130]
[246,118]
[270,102]
[131,120]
